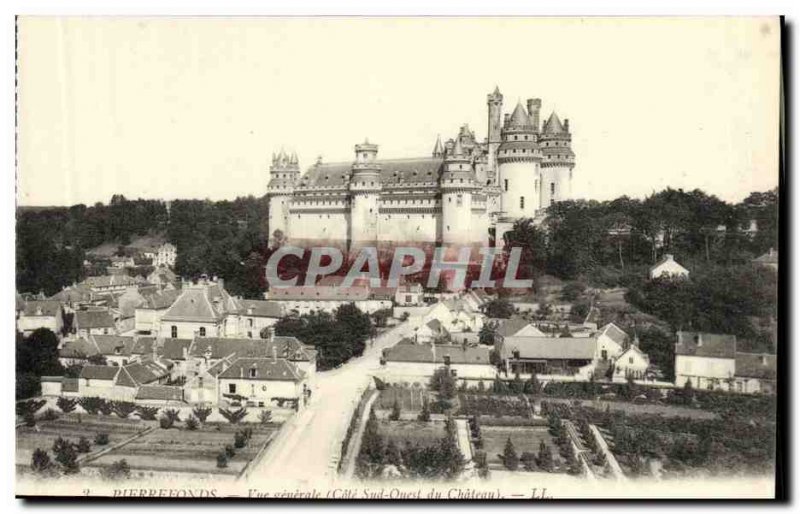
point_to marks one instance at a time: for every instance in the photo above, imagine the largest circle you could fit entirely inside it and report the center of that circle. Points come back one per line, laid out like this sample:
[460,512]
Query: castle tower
[518,159]
[284,173]
[438,148]
[457,186]
[558,161]
[365,188]
[494,102]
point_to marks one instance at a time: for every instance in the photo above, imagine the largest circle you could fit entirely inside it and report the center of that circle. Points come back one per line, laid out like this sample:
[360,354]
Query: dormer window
[252,372]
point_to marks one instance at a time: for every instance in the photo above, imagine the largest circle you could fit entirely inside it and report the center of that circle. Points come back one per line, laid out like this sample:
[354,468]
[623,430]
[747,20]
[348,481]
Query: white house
[611,342]
[707,360]
[568,356]
[200,310]
[147,315]
[261,381]
[165,255]
[632,362]
[418,362]
[40,314]
[251,317]
[94,322]
[408,295]
[668,267]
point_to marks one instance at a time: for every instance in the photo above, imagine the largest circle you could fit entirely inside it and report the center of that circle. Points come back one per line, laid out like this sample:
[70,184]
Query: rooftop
[704,344]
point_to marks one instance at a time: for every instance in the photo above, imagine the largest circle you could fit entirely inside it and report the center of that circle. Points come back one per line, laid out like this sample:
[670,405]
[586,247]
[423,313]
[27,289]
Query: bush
[29,407]
[90,404]
[147,413]
[395,414]
[66,405]
[234,416]
[123,409]
[165,422]
[192,423]
[105,407]
[265,416]
[118,470]
[229,451]
[66,455]
[425,413]
[202,413]
[222,460]
[101,439]
[174,415]
[509,456]
[40,462]
[83,445]
[528,460]
[239,440]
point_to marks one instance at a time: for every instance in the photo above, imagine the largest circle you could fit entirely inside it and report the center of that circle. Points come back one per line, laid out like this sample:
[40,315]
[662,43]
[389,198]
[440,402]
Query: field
[181,450]
[72,427]
[525,439]
[416,432]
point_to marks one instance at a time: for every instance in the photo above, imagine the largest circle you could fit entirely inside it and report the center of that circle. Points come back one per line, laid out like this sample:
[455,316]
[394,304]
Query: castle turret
[518,161]
[558,161]
[284,173]
[457,185]
[365,188]
[438,149]
[494,102]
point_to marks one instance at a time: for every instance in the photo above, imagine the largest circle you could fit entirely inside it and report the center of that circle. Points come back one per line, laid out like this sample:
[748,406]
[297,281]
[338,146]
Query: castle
[466,193]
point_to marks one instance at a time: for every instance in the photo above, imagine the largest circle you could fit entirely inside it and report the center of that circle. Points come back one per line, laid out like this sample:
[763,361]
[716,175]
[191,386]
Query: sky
[194,107]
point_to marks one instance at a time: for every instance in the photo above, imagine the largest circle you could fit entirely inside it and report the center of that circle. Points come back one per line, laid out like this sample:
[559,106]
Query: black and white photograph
[399,258]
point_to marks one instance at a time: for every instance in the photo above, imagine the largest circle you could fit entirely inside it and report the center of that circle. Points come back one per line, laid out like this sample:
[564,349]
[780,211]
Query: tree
[40,461]
[66,405]
[395,414]
[498,308]
[118,469]
[425,413]
[201,413]
[233,416]
[545,457]
[66,455]
[509,457]
[487,334]
[36,356]
[443,382]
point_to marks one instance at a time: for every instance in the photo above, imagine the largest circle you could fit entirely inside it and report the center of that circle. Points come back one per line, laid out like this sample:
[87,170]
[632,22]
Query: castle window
[552,188]
[515,138]
[505,186]
[459,200]
[174,331]
[202,331]
[521,202]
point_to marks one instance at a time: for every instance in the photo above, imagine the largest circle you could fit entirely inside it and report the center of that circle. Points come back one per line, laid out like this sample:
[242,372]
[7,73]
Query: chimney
[566,125]
[433,351]
[534,105]
[185,352]
[515,353]
[506,117]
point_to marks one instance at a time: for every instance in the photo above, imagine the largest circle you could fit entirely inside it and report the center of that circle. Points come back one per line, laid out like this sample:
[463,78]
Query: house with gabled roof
[148,314]
[668,267]
[251,317]
[200,310]
[260,381]
[37,314]
[631,362]
[418,362]
[94,322]
[756,373]
[611,342]
[706,360]
[568,356]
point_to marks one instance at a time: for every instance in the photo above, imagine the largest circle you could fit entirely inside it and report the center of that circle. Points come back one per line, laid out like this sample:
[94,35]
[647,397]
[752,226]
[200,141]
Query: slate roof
[519,118]
[426,353]
[721,346]
[756,365]
[553,125]
[321,293]
[173,348]
[550,348]
[615,333]
[113,344]
[49,308]
[69,385]
[160,392]
[208,303]
[143,346]
[161,300]
[263,369]
[78,348]
[99,372]
[141,373]
[93,319]
[221,347]
[109,281]
[260,308]
[393,171]
[511,326]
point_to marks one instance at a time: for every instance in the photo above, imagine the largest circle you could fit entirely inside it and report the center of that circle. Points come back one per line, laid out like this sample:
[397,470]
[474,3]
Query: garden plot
[73,427]
[178,450]
[409,399]
[524,439]
[421,433]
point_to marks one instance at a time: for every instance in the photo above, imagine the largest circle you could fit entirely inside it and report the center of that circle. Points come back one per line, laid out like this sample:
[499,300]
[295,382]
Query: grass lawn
[72,427]
[525,439]
[188,451]
[422,433]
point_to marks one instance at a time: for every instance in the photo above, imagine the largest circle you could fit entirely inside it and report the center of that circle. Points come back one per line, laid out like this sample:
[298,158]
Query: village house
[707,360]
[40,314]
[409,295]
[111,284]
[165,255]
[93,322]
[251,317]
[409,362]
[668,267]
[631,363]
[200,310]
[148,314]
[567,356]
[328,295]
[611,342]
[75,297]
[259,381]
[756,373]
[159,395]
[116,350]
[164,278]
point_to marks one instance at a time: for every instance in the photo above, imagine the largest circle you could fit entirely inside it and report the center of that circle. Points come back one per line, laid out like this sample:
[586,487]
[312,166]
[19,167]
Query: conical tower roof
[519,118]
[438,149]
[553,125]
[458,150]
